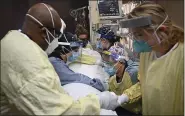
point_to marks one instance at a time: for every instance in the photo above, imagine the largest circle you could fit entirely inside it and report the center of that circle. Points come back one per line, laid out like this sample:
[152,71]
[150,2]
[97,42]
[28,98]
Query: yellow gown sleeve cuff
[118,88]
[114,86]
[134,93]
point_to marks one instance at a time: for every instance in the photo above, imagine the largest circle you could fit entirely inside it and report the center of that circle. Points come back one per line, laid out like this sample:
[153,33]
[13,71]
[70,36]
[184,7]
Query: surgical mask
[52,45]
[99,45]
[141,46]
[73,57]
[110,70]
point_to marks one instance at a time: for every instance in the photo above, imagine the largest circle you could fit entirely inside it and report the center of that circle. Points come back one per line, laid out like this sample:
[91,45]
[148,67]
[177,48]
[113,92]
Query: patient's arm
[67,76]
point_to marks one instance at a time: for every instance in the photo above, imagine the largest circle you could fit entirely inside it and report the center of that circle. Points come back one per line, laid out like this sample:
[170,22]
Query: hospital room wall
[12,15]
[63,7]
[175,9]
[13,12]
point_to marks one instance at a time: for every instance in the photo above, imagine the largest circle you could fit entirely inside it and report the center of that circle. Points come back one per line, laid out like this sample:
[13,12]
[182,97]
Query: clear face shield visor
[141,22]
[76,53]
[112,58]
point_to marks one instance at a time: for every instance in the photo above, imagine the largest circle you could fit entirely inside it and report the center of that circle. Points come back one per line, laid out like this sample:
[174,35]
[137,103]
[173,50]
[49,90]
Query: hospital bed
[77,90]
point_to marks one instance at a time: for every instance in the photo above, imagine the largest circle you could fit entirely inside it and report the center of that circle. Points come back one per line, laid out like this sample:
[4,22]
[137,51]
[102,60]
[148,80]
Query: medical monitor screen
[108,8]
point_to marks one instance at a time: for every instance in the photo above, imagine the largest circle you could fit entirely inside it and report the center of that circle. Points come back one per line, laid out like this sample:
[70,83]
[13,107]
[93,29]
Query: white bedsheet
[93,71]
[77,90]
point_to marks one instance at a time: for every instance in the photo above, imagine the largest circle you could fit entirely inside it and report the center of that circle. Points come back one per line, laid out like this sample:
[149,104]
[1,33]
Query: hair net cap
[136,22]
[106,33]
[118,53]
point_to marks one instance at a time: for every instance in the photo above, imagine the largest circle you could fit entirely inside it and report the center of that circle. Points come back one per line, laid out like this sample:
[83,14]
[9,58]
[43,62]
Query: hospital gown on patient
[67,76]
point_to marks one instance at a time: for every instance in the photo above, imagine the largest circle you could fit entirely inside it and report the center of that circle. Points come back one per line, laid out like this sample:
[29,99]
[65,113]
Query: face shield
[110,62]
[71,55]
[136,22]
[113,57]
[75,48]
[107,57]
[141,22]
[115,54]
[139,45]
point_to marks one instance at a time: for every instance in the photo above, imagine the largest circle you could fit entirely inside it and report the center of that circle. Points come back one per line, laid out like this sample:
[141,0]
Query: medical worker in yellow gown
[123,72]
[161,69]
[29,83]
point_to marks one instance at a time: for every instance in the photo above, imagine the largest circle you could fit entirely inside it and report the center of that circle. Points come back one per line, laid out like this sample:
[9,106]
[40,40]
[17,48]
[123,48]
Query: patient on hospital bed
[64,53]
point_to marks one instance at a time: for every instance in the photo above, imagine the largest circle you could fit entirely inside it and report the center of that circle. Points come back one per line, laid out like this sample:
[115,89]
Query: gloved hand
[108,100]
[99,62]
[107,112]
[122,99]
